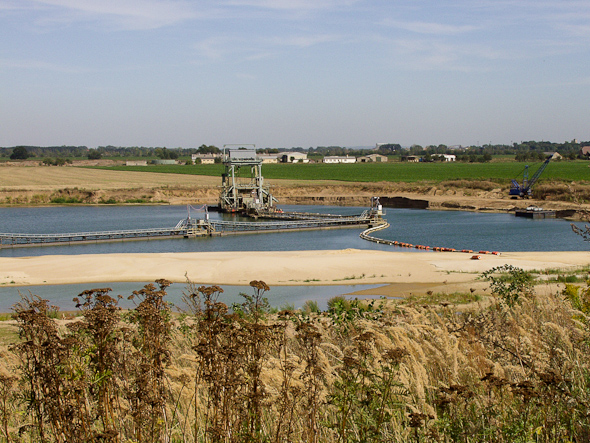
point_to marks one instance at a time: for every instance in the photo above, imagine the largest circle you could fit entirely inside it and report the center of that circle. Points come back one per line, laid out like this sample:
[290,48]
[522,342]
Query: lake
[453,229]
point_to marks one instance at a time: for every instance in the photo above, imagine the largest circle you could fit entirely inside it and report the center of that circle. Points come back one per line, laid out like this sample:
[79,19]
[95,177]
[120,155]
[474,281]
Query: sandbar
[400,272]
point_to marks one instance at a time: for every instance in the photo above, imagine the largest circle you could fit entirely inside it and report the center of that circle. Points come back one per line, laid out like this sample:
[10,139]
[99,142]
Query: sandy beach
[400,273]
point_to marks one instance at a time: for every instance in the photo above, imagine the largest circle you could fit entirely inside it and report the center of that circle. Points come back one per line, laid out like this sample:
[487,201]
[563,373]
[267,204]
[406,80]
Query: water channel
[453,229]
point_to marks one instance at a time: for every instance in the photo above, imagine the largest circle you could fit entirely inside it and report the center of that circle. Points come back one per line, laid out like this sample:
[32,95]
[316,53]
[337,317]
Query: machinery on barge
[242,186]
[525,189]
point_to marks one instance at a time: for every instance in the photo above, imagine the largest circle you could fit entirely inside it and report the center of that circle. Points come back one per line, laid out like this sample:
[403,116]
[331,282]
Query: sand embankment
[41,185]
[400,272]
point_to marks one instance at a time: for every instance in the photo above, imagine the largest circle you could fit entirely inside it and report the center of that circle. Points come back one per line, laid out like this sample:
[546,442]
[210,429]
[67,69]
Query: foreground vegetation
[514,370]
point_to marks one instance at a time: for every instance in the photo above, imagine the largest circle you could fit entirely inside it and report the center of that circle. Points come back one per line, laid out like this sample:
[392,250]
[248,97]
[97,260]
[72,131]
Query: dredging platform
[534,212]
[242,185]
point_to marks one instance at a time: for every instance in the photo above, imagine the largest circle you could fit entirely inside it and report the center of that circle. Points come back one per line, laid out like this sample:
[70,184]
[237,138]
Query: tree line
[523,151]
[25,152]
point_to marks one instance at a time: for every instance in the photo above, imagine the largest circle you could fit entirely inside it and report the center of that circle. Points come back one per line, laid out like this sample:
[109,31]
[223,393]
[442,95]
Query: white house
[205,159]
[294,157]
[339,159]
[268,158]
[446,157]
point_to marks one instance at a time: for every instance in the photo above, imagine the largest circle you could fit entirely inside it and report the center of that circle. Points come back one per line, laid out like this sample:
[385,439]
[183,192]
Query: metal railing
[222,226]
[190,227]
[26,238]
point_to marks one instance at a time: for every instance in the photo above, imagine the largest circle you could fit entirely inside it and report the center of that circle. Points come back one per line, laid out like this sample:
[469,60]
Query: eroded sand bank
[399,272]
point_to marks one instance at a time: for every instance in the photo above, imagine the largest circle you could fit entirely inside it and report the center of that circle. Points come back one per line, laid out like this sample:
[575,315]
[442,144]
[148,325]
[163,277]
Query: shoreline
[401,273]
[48,186]
[573,212]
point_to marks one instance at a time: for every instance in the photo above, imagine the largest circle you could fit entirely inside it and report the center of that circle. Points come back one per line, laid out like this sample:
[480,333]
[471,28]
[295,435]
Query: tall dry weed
[357,372]
[146,390]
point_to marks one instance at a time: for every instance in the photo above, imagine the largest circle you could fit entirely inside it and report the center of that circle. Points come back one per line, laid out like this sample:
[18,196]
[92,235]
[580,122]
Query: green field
[500,172]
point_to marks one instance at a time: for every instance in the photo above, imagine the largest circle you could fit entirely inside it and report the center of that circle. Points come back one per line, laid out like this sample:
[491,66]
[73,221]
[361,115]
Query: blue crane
[525,190]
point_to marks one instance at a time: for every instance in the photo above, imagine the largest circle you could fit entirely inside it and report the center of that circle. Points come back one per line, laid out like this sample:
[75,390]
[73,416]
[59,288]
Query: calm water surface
[453,229]
[278,296]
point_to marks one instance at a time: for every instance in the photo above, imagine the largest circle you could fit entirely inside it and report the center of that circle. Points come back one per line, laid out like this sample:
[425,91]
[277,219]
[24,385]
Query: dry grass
[53,178]
[357,372]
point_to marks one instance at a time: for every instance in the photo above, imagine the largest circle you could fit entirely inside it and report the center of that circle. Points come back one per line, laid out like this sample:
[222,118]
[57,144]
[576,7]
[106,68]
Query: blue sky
[284,73]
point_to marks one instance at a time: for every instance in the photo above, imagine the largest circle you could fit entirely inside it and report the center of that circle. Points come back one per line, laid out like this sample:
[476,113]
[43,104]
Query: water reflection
[452,229]
[278,296]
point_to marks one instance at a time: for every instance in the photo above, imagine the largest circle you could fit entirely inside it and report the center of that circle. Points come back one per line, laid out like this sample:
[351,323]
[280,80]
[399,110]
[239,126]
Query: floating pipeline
[366,235]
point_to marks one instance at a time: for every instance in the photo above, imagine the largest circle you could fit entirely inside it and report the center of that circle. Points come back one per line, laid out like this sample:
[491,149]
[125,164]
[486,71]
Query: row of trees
[528,150]
[468,158]
[25,152]
[517,149]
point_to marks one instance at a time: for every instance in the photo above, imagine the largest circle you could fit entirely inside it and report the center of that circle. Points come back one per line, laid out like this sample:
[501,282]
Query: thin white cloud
[304,41]
[16,6]
[260,56]
[579,81]
[574,29]
[214,48]
[39,65]
[8,6]
[427,54]
[223,47]
[133,14]
[468,35]
[291,4]
[429,27]
[558,14]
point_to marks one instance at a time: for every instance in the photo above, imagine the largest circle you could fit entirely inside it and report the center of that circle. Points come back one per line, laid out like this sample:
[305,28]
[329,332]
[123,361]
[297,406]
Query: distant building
[377,158]
[162,161]
[410,158]
[294,157]
[585,151]
[268,158]
[444,157]
[339,159]
[553,155]
[204,159]
[136,163]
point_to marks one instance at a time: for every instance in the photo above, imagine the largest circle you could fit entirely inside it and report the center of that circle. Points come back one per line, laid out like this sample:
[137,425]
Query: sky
[293,73]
